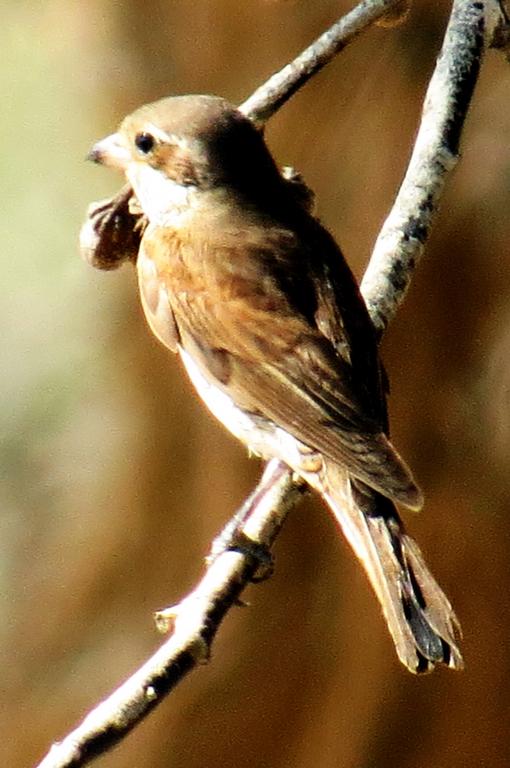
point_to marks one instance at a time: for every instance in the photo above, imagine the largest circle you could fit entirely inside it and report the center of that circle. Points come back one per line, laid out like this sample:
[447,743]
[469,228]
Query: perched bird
[245,284]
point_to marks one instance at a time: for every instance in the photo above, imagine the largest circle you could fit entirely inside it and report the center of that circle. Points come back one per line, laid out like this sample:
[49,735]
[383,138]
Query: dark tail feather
[420,618]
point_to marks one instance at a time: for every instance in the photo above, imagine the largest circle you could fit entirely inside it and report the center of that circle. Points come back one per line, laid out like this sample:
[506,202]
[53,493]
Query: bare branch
[197,618]
[268,99]
[402,239]
[195,623]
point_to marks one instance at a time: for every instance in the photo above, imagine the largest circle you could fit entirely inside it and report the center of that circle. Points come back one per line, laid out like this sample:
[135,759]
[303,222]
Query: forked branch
[471,29]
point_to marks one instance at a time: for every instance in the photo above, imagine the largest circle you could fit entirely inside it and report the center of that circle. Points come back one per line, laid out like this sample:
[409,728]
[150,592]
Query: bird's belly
[261,436]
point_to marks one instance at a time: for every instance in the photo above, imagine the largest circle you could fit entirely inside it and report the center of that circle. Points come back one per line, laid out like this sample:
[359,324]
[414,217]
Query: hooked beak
[110,151]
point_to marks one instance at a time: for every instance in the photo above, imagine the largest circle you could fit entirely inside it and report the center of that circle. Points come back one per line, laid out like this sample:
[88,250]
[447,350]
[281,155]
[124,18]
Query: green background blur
[113,477]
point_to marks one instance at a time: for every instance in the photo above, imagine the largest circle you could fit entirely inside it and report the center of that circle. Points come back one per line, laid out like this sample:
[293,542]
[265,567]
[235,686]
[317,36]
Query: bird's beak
[110,151]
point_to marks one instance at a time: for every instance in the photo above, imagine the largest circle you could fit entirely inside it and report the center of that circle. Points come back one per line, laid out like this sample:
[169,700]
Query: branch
[402,239]
[268,99]
[400,245]
[196,621]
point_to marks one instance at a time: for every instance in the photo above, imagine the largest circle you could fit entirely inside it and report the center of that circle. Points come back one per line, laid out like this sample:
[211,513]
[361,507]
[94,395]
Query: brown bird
[253,293]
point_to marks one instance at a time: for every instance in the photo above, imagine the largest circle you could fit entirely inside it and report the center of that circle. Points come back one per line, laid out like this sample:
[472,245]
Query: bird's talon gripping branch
[233,539]
[258,552]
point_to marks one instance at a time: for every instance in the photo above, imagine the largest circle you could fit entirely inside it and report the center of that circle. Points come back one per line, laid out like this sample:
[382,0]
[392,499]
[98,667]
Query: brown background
[114,479]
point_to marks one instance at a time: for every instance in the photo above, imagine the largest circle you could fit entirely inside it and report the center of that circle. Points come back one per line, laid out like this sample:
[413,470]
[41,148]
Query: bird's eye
[145,142]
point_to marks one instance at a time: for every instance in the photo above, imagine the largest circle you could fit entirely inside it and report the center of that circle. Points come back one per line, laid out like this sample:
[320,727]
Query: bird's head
[183,145]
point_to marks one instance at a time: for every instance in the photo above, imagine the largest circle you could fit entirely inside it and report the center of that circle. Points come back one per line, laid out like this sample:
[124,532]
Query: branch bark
[398,249]
[402,239]
[273,94]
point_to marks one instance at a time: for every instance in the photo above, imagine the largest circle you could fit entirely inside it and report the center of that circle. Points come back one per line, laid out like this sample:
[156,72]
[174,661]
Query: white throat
[163,200]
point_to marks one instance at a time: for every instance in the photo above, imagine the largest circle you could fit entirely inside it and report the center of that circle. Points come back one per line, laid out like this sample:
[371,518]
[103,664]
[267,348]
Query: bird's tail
[420,618]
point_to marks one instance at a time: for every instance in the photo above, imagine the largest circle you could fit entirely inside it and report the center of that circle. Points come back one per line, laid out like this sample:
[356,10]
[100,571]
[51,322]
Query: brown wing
[300,392]
[276,359]
[155,302]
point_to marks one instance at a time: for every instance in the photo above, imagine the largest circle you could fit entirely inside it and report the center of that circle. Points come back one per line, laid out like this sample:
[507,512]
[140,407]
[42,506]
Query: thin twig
[402,240]
[268,99]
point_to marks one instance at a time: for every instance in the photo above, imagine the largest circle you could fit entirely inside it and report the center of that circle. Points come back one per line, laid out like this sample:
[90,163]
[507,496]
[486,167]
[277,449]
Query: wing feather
[285,354]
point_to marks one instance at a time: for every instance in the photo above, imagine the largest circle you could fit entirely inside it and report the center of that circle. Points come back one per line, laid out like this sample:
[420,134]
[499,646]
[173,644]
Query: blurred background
[114,479]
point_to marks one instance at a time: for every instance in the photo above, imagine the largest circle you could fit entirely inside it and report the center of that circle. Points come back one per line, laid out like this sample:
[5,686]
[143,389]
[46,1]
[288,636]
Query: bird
[241,280]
